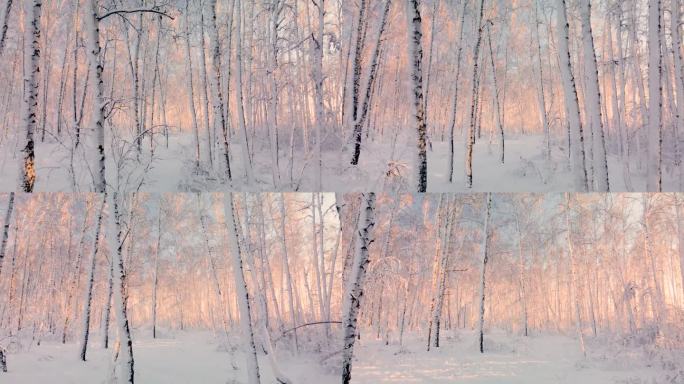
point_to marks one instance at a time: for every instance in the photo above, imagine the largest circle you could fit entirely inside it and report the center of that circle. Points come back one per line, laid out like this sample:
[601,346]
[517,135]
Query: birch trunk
[155,280]
[655,105]
[579,168]
[6,227]
[87,308]
[126,373]
[318,88]
[5,23]
[218,104]
[679,81]
[242,290]
[452,124]
[190,87]
[573,277]
[246,161]
[354,290]
[205,89]
[360,120]
[540,91]
[475,95]
[99,103]
[416,58]
[593,102]
[485,259]
[32,58]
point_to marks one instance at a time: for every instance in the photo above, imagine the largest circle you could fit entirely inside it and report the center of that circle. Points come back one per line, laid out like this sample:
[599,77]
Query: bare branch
[128,11]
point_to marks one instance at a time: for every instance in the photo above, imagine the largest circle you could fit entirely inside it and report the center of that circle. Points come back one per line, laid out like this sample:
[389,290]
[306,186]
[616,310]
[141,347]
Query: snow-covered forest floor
[171,169]
[198,357]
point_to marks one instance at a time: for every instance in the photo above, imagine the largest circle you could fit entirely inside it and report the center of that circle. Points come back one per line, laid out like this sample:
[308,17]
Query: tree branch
[127,11]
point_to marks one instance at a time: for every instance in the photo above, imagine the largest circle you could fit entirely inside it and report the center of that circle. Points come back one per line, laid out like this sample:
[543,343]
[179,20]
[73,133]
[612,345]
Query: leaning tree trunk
[416,57]
[27,165]
[485,259]
[655,124]
[6,227]
[354,290]
[579,168]
[242,291]
[87,308]
[356,78]
[360,120]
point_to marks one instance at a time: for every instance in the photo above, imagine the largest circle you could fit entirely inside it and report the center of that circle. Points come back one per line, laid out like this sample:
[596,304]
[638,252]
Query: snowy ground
[195,357]
[171,169]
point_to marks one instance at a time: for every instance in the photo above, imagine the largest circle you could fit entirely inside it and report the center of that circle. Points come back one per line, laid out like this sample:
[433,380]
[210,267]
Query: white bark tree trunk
[96,68]
[475,101]
[354,290]
[32,59]
[218,104]
[5,23]
[125,362]
[416,57]
[452,124]
[190,87]
[6,227]
[246,161]
[655,89]
[318,88]
[87,308]
[485,259]
[242,291]
[593,102]
[579,168]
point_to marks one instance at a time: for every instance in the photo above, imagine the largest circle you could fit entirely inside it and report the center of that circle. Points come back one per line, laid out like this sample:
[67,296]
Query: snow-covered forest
[311,288]
[332,95]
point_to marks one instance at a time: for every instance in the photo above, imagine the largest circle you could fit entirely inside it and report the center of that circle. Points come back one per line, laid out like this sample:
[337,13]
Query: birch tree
[470,143]
[87,308]
[27,169]
[578,158]
[416,58]
[253,376]
[190,87]
[5,228]
[354,290]
[5,25]
[655,89]
[124,356]
[483,270]
[452,124]
[593,102]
